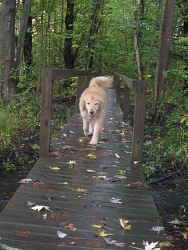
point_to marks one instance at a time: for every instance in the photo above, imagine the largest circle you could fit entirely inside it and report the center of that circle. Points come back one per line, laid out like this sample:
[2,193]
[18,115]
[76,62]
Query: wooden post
[139,118]
[87,81]
[79,92]
[126,103]
[46,108]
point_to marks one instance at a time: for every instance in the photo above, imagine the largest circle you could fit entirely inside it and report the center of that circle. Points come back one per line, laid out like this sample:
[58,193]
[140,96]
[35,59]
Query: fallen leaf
[150,246]
[113,242]
[137,184]
[91,171]
[44,216]
[124,224]
[55,154]
[97,226]
[54,168]
[91,156]
[61,235]
[68,226]
[157,229]
[72,163]
[25,233]
[121,177]
[81,191]
[30,204]
[175,222]
[116,201]
[101,233]
[39,208]
[184,234]
[25,181]
[117,156]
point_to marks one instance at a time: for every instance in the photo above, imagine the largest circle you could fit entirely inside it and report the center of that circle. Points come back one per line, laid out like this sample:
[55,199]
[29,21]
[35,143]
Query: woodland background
[136,38]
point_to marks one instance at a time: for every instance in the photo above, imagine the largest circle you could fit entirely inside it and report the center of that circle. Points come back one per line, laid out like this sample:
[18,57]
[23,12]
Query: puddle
[171,201]
[8,186]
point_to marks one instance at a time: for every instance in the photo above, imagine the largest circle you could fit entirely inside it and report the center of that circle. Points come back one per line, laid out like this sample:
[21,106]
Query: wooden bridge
[79,196]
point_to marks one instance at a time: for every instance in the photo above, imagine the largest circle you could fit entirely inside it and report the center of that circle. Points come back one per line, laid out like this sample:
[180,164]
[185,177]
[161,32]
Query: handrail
[48,76]
[138,86]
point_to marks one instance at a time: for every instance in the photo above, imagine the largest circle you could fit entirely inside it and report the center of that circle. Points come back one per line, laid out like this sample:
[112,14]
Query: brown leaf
[137,184]
[25,233]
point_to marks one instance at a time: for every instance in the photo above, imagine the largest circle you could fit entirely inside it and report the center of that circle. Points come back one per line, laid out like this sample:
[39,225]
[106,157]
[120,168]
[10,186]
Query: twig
[163,178]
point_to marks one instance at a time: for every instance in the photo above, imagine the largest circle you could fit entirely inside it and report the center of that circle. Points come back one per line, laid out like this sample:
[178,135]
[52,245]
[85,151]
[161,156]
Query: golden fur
[93,105]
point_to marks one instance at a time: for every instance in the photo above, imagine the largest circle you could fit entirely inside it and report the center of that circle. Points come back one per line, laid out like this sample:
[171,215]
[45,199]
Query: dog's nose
[91,112]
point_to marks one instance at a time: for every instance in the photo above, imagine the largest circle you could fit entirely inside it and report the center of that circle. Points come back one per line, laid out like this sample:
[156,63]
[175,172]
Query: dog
[93,106]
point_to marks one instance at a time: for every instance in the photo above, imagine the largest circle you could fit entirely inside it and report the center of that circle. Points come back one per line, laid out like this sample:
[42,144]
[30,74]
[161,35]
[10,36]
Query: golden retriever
[93,106]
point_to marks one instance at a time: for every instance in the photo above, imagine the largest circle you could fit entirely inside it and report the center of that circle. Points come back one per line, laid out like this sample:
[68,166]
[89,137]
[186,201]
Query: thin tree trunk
[41,46]
[164,51]
[22,32]
[138,59]
[68,53]
[96,22]
[7,37]
[61,33]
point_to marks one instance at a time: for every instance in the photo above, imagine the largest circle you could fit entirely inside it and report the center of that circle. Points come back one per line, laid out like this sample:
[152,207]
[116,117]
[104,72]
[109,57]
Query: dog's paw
[93,142]
[90,134]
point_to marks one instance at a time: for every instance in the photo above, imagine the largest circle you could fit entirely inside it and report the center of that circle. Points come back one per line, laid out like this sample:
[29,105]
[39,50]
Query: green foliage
[21,116]
[9,166]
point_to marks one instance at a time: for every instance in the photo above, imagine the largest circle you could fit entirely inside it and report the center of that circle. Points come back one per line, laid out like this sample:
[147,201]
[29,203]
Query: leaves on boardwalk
[61,234]
[151,246]
[25,233]
[102,233]
[39,208]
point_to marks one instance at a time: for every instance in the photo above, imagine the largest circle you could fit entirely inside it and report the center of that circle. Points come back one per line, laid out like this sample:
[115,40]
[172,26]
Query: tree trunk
[22,32]
[7,24]
[96,21]
[164,51]
[28,58]
[40,52]
[68,53]
[138,59]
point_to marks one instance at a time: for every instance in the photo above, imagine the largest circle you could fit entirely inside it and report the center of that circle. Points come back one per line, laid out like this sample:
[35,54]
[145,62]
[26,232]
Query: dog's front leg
[85,126]
[97,128]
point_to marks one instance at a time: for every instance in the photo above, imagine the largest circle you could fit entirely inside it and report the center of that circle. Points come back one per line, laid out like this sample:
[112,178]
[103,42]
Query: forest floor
[171,201]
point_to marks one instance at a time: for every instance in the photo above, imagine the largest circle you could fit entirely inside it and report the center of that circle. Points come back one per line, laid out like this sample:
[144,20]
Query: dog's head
[92,105]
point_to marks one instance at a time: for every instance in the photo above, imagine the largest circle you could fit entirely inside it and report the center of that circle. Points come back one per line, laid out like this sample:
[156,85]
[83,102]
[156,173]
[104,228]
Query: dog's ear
[83,105]
[101,104]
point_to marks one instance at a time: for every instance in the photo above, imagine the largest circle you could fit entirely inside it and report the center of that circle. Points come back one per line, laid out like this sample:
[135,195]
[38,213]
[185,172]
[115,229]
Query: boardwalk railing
[139,113]
[48,76]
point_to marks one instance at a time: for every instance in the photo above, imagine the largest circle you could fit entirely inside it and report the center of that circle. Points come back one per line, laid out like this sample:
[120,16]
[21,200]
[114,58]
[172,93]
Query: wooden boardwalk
[87,191]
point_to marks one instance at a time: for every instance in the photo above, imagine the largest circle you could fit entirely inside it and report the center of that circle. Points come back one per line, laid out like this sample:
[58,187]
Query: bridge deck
[87,190]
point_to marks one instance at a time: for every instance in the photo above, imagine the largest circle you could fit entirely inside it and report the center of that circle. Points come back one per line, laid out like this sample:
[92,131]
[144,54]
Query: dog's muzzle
[91,114]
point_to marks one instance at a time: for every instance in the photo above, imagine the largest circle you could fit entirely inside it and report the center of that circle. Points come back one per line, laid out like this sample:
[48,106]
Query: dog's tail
[102,82]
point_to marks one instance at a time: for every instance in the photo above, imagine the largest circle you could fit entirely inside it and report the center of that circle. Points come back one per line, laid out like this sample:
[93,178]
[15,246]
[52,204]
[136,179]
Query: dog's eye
[88,103]
[96,103]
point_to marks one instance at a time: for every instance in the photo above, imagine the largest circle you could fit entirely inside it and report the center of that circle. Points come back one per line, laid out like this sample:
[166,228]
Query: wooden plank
[126,103]
[65,73]
[131,84]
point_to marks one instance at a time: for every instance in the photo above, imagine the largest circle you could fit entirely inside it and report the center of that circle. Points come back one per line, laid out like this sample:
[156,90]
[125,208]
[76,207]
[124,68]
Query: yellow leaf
[97,226]
[91,156]
[124,224]
[101,233]
[80,140]
[81,191]
[54,168]
[184,234]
